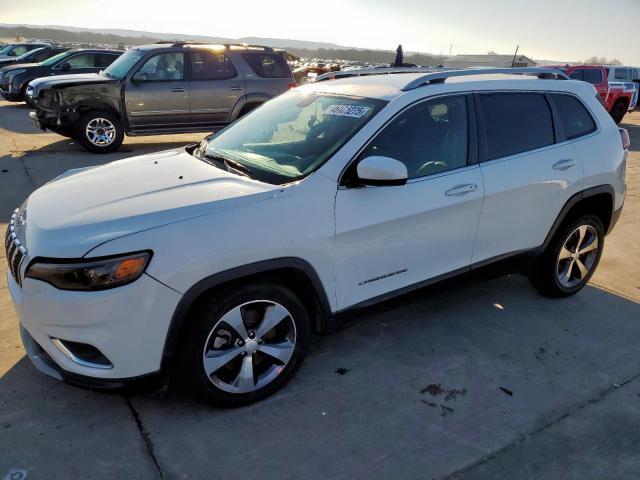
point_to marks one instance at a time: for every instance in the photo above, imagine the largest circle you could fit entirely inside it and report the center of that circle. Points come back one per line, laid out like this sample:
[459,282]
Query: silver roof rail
[440,77]
[361,72]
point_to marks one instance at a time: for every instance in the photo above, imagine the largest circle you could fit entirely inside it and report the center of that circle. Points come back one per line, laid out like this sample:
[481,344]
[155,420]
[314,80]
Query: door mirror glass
[378,170]
[139,77]
[65,66]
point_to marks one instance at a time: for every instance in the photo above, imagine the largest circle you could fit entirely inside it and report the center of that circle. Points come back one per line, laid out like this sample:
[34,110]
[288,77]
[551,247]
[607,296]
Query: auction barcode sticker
[354,111]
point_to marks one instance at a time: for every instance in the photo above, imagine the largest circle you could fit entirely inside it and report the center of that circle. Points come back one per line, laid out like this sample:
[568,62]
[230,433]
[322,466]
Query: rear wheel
[244,345]
[618,111]
[100,132]
[570,259]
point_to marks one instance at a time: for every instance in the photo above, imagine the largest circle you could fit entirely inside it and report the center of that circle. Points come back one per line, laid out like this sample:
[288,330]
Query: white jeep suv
[217,261]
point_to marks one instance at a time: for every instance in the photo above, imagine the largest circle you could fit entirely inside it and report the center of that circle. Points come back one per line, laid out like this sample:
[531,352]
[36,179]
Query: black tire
[82,136]
[199,335]
[544,274]
[618,111]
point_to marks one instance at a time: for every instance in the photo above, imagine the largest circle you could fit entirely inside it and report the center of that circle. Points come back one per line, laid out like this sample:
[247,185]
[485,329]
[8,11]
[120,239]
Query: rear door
[392,237]
[529,170]
[215,87]
[157,94]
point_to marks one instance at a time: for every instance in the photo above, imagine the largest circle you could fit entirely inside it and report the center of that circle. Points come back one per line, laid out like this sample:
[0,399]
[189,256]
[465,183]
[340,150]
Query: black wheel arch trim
[325,316]
[573,201]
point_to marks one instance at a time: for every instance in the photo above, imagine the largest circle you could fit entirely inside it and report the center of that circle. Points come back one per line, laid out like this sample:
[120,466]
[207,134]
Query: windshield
[5,49]
[55,59]
[292,135]
[123,64]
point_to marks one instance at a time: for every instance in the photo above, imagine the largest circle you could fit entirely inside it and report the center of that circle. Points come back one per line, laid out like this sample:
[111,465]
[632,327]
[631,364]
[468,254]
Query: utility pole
[450,49]
[514,56]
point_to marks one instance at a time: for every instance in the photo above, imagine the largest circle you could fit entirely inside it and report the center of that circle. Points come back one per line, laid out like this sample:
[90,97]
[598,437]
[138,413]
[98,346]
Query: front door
[158,94]
[392,237]
[215,87]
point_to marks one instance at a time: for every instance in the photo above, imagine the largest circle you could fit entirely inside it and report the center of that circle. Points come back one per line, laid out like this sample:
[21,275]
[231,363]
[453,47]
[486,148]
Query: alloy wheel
[101,132]
[577,256]
[249,346]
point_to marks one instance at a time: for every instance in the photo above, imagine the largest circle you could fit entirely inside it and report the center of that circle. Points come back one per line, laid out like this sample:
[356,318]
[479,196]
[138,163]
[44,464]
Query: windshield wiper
[230,165]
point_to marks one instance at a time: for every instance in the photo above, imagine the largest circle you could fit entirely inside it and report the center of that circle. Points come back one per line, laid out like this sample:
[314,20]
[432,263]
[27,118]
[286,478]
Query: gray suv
[160,89]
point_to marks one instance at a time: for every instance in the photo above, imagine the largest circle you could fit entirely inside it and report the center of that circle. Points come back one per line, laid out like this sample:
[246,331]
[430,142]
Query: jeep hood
[83,208]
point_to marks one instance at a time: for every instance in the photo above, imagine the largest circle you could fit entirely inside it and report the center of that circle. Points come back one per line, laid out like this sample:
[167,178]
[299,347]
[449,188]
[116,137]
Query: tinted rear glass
[575,118]
[515,123]
[268,65]
[593,76]
[622,74]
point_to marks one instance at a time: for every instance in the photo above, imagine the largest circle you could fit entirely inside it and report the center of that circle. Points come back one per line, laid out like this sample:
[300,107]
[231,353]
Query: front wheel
[100,132]
[570,259]
[243,345]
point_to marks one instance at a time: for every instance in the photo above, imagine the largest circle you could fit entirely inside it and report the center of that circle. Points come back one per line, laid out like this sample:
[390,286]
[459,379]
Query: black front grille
[15,252]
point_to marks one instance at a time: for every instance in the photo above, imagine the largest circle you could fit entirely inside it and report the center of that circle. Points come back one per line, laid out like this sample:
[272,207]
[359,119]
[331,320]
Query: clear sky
[545,29]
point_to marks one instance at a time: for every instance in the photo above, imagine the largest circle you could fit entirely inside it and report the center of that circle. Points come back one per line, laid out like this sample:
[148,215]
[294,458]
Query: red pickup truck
[615,98]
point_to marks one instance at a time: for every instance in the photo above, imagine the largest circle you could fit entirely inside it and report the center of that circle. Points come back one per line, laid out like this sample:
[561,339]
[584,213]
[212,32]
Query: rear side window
[211,66]
[515,123]
[577,74]
[268,65]
[574,117]
[622,74]
[103,60]
[593,76]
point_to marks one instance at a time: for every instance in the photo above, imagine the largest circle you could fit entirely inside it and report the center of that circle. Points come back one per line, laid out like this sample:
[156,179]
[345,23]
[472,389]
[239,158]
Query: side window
[19,50]
[103,60]
[577,74]
[268,65]
[622,74]
[41,56]
[516,123]
[211,66]
[83,60]
[574,117]
[593,76]
[429,138]
[164,67]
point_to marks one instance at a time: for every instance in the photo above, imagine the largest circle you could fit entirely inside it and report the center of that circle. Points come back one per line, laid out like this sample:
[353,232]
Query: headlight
[90,274]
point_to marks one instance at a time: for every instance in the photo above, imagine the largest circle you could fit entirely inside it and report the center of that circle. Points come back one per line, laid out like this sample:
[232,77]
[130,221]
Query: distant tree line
[363,55]
[77,37]
[354,54]
[602,61]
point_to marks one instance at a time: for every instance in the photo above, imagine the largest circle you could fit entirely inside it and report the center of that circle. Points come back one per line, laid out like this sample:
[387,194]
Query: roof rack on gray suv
[187,43]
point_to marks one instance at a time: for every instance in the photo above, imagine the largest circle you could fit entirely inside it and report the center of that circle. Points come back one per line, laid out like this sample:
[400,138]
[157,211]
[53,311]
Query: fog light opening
[83,354]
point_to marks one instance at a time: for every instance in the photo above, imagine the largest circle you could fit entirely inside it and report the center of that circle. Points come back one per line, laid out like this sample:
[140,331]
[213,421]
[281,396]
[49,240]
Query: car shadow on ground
[427,384]
[634,135]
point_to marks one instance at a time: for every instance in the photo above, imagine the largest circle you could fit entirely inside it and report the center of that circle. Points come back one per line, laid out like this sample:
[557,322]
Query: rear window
[516,123]
[622,74]
[593,76]
[574,117]
[211,66]
[268,65]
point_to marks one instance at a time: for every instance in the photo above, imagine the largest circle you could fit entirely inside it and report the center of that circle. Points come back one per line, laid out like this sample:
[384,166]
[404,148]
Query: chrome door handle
[461,190]
[565,164]
[236,88]
[177,90]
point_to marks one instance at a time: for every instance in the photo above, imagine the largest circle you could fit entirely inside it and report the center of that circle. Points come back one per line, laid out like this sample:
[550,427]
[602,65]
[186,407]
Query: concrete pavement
[475,378]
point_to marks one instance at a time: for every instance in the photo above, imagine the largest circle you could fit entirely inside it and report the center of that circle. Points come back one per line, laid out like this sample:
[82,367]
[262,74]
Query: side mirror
[65,66]
[381,171]
[139,77]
